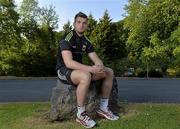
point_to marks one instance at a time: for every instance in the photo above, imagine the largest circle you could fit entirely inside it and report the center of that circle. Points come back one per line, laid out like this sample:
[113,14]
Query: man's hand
[101,66]
[98,69]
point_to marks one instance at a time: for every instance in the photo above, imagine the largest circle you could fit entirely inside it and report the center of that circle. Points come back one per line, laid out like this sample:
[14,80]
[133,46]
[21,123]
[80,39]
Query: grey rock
[63,100]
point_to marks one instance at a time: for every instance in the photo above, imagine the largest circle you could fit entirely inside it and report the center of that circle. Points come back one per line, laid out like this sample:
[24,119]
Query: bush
[178,72]
[142,74]
[139,72]
[171,72]
[154,73]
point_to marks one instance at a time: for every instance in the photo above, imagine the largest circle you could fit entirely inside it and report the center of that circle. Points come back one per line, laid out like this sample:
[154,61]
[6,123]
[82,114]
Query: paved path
[26,90]
[131,90]
[153,90]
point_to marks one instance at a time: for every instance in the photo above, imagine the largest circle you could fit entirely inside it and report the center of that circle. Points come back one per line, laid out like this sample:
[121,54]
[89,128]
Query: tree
[91,25]
[175,43]
[38,29]
[9,38]
[101,35]
[29,13]
[120,38]
[48,17]
[48,45]
[151,24]
[66,29]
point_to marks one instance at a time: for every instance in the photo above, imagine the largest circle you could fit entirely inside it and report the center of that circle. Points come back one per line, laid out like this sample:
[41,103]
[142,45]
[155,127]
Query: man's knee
[85,76]
[79,76]
[110,72]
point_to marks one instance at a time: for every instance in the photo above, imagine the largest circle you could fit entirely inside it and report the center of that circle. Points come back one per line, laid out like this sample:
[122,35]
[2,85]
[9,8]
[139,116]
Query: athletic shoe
[85,120]
[107,114]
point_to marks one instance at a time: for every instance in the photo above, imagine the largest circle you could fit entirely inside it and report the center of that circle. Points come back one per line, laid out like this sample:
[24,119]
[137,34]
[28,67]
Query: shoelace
[86,116]
[109,113]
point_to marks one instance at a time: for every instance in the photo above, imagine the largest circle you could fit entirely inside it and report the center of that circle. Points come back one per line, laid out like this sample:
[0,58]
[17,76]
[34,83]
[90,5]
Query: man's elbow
[68,64]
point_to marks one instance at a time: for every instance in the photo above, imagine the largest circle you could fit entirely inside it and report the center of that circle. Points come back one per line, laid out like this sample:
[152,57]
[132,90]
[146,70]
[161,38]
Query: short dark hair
[80,14]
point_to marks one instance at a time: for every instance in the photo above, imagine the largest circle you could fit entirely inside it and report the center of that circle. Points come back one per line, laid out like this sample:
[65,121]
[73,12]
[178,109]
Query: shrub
[154,73]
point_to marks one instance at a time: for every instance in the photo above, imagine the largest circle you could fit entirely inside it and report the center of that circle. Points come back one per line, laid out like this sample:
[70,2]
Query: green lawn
[135,116]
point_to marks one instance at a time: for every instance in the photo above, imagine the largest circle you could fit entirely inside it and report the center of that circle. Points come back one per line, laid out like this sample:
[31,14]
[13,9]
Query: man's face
[80,25]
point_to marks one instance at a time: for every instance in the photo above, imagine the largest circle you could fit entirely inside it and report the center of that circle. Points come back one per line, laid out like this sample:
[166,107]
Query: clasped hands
[99,69]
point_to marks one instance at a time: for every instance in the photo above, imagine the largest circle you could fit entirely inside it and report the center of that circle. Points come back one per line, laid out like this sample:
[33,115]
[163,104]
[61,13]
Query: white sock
[104,104]
[80,109]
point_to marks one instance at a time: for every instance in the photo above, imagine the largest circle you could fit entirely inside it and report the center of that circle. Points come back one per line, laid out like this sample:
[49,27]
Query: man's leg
[107,77]
[107,83]
[105,93]
[82,79]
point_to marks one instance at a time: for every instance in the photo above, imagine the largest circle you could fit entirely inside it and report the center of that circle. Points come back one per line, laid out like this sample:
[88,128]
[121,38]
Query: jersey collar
[76,35]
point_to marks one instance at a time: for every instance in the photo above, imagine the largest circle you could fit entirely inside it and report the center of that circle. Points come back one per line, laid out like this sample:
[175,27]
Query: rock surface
[63,100]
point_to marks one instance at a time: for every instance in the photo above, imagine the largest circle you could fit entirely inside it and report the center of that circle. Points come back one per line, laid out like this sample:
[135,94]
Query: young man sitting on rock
[71,70]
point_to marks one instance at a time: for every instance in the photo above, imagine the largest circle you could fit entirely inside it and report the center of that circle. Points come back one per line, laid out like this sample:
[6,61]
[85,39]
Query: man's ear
[74,24]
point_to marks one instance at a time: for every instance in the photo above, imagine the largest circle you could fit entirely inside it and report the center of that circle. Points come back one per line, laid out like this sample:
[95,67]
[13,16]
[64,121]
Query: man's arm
[70,63]
[94,57]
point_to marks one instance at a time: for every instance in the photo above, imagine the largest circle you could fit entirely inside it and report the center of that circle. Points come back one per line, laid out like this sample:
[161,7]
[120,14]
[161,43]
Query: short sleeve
[89,47]
[65,45]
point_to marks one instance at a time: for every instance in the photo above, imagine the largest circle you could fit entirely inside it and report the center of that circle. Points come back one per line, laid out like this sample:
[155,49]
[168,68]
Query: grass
[136,116]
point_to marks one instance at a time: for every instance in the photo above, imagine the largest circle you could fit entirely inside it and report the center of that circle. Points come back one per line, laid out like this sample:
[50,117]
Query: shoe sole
[103,115]
[78,121]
